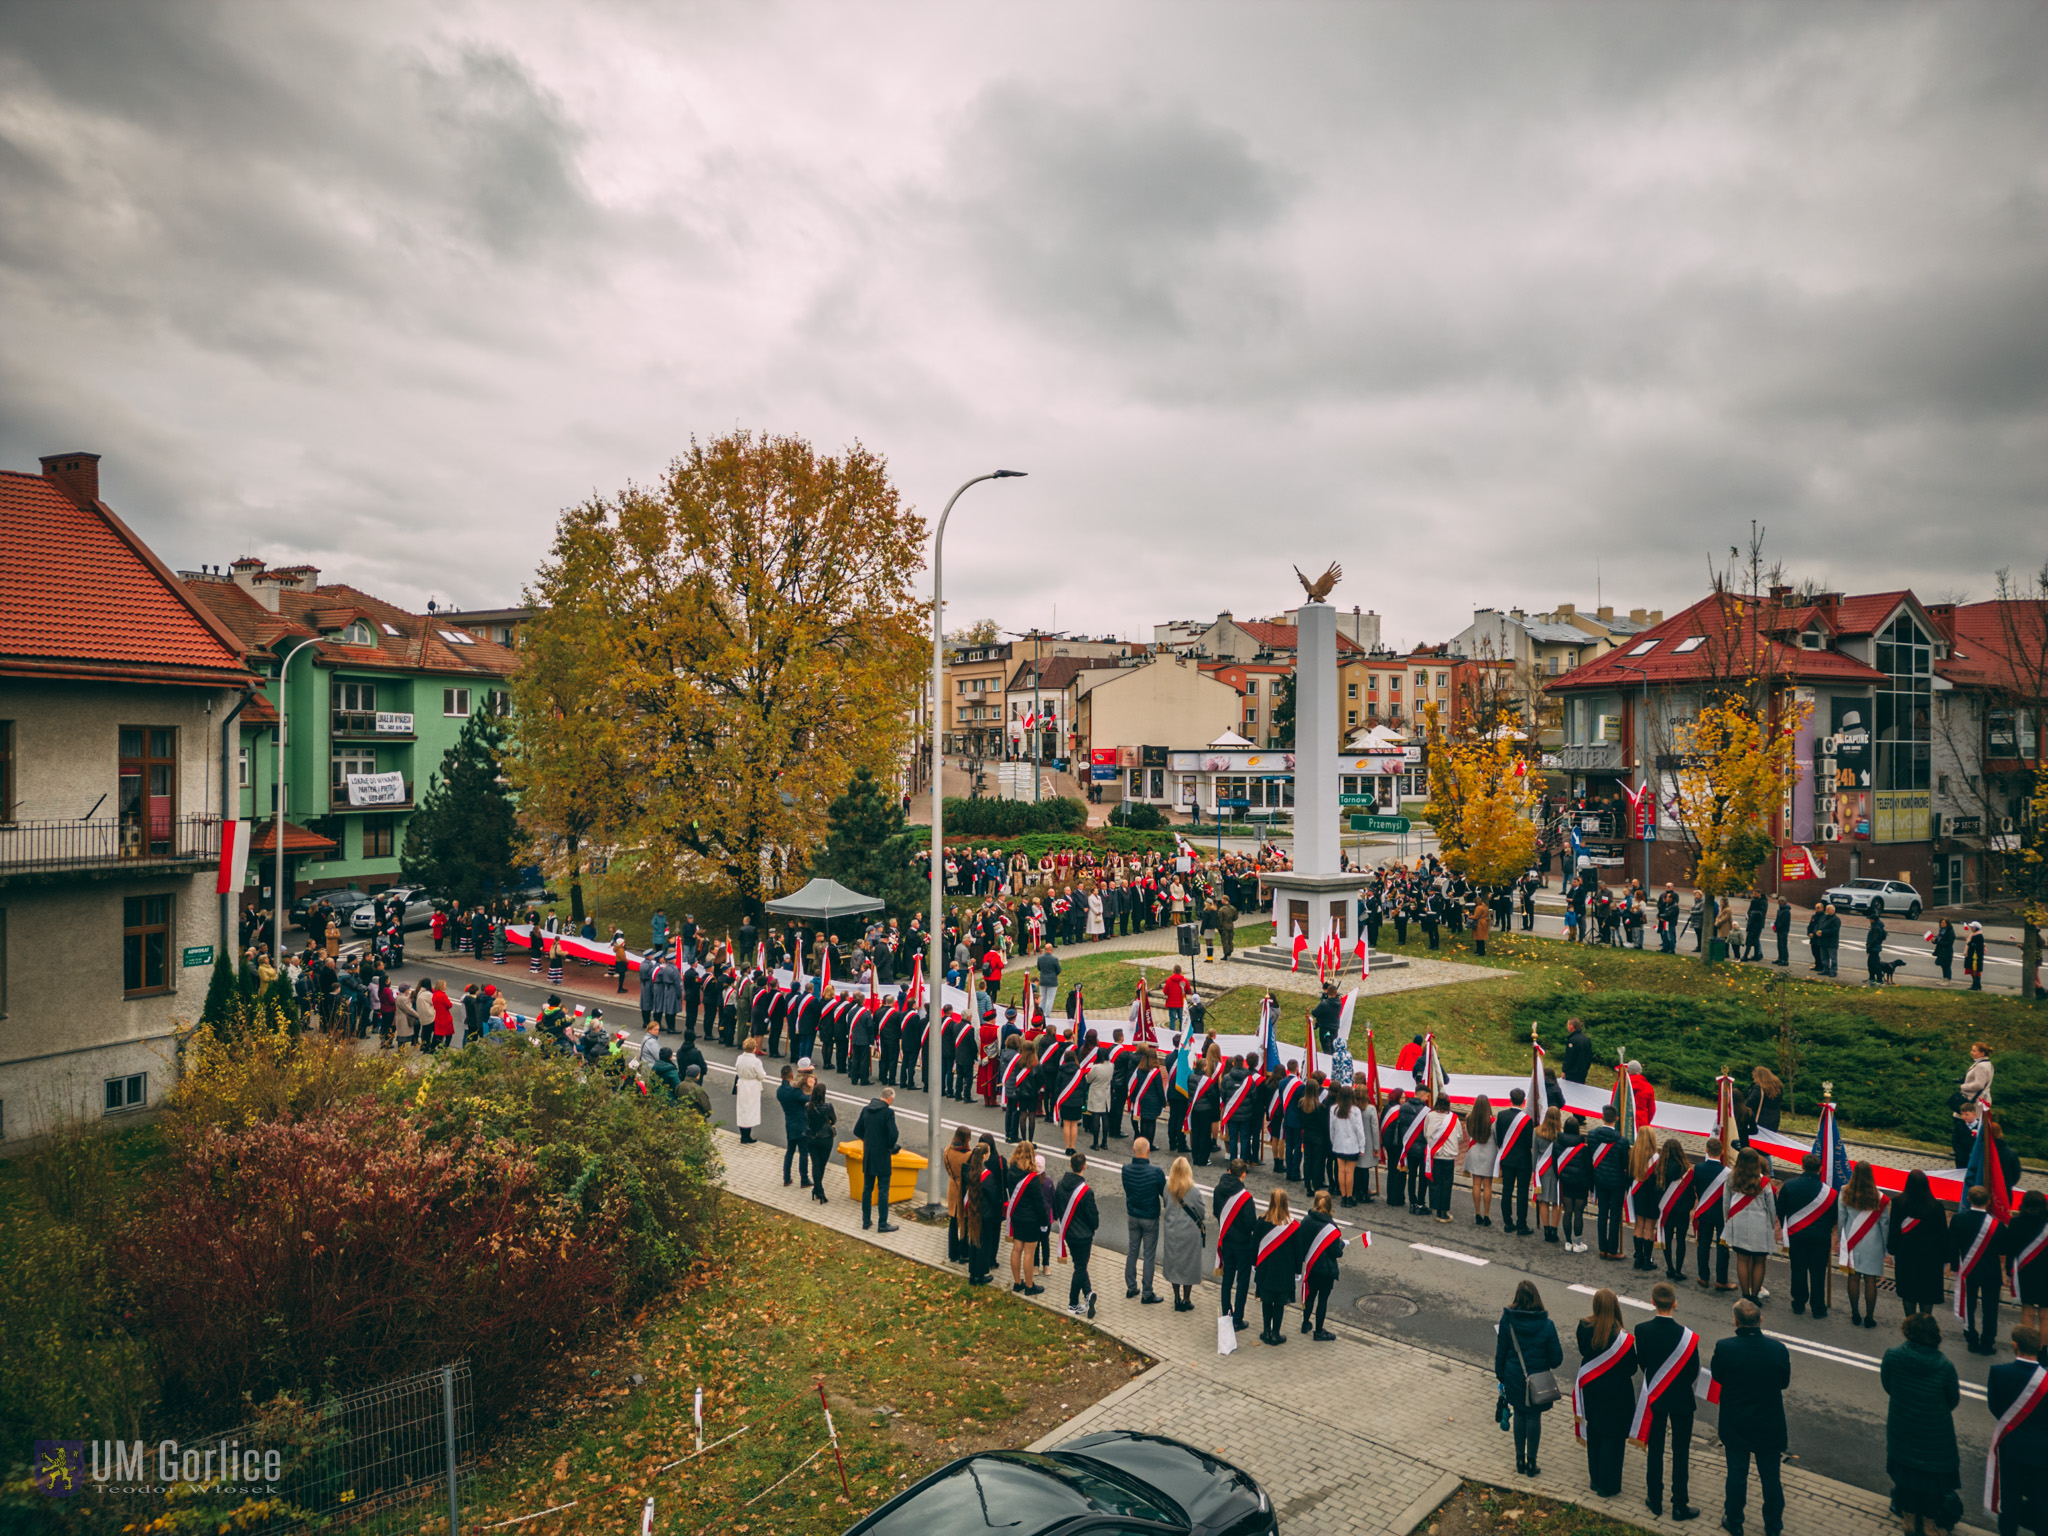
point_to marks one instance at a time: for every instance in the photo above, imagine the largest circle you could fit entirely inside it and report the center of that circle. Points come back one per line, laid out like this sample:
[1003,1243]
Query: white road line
[1626,1301]
[1449,1253]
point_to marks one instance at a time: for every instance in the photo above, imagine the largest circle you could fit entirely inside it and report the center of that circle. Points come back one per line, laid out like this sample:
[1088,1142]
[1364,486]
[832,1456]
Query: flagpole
[1827,1125]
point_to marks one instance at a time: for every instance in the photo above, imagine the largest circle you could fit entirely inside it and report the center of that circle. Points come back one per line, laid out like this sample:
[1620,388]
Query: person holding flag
[1603,1393]
[1322,1244]
[1669,1354]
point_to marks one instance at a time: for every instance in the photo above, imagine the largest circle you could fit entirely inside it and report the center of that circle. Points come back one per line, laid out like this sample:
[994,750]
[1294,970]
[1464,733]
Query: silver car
[1874,897]
[419,911]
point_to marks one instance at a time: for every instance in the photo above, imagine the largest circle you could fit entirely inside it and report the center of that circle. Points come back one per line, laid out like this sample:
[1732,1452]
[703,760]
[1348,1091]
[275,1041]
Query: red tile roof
[1865,614]
[417,647]
[296,839]
[1059,672]
[1999,645]
[82,596]
[1736,642]
[1285,637]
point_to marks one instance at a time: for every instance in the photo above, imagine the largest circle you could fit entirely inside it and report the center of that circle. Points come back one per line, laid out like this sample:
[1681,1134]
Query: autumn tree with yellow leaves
[715,655]
[1736,764]
[1482,801]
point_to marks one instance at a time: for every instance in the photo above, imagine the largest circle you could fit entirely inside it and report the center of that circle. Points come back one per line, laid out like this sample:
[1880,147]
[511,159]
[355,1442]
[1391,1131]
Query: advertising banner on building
[376,789]
[1102,765]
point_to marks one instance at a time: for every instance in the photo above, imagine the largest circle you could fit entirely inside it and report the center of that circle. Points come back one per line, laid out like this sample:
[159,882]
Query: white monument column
[1315,744]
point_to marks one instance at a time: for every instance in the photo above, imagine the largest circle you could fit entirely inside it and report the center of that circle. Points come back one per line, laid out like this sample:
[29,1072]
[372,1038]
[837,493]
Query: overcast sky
[1472,299]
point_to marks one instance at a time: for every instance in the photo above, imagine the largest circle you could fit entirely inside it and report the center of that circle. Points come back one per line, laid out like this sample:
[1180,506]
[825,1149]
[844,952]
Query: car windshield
[1019,1493]
[1866,885]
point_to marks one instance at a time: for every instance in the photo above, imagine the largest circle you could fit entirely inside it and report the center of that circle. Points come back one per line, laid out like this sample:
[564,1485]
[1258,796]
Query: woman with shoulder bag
[821,1129]
[1181,1236]
[1526,1355]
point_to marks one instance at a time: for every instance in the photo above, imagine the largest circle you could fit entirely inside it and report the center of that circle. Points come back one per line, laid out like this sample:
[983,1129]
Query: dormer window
[358,633]
[1810,639]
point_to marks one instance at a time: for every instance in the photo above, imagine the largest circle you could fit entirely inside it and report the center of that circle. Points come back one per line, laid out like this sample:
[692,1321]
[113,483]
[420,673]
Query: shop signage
[198,954]
[390,724]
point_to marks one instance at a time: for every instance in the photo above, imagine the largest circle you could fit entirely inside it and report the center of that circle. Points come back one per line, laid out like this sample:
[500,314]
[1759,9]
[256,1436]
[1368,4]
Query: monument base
[1277,958]
[1316,905]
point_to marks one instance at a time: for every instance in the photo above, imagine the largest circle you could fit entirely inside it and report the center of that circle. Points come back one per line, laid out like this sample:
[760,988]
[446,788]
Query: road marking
[1626,1301]
[1449,1253]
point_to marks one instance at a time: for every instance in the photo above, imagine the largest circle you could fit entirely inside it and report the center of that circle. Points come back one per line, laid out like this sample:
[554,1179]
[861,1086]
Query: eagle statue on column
[1319,589]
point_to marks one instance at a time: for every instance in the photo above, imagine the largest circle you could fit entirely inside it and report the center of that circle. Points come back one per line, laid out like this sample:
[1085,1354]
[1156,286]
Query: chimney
[1828,603]
[1654,616]
[77,475]
[1635,616]
[1606,613]
[1566,610]
[245,571]
[1781,596]
[265,592]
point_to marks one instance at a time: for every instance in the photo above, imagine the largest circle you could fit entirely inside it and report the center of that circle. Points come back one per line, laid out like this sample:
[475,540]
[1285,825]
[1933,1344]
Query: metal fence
[131,843]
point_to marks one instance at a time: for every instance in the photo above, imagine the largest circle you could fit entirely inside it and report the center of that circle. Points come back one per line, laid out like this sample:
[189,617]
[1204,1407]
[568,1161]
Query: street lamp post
[934,971]
[284,672]
[1649,825]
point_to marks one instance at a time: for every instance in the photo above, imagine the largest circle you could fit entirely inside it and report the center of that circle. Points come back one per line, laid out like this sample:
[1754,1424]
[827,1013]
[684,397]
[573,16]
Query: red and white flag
[233,874]
[1300,946]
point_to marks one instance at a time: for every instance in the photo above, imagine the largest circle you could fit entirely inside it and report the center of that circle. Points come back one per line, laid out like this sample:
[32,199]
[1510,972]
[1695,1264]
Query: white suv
[1875,897]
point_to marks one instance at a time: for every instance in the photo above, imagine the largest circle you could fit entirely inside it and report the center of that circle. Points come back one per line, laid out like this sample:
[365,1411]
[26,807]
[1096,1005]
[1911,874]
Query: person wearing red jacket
[1644,1092]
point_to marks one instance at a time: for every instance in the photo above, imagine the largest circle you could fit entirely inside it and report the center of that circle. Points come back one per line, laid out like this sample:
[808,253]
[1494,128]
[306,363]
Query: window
[1810,639]
[127,1092]
[6,770]
[1351,717]
[145,945]
[392,631]
[455,637]
[242,769]
[1251,716]
[358,633]
[1443,679]
[1422,679]
[455,702]
[354,706]
[148,787]
[1903,705]
[345,762]
[1641,650]
[1395,683]
[379,833]
[498,702]
[1690,643]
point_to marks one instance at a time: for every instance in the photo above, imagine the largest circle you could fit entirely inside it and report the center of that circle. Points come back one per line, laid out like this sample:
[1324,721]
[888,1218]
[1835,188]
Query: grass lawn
[1893,1054]
[918,1369]
[1478,1510]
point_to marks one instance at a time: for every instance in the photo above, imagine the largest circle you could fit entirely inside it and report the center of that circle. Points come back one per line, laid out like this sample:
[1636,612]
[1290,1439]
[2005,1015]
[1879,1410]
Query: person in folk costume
[1668,1354]
[2025,1247]
[1973,1249]
[1918,1243]
[1443,1136]
[1755,1227]
[1236,1213]
[1076,1218]
[1675,1191]
[1809,1209]
[1544,1174]
[989,1045]
[1644,1191]
[1604,1395]
[1027,1216]
[1276,1262]
[985,1193]
[1481,1157]
[2016,1465]
[1321,1246]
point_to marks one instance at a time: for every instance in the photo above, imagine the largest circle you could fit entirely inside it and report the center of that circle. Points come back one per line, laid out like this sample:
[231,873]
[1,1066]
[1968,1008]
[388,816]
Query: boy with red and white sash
[1975,1236]
[2016,1463]
[1810,1210]
[1240,1114]
[1075,1220]
[1321,1246]
[1710,1214]
[1237,1216]
[1669,1354]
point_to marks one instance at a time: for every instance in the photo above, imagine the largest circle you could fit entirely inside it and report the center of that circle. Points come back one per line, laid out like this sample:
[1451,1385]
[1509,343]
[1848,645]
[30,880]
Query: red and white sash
[1710,1197]
[1623,1346]
[1009,1076]
[1811,1212]
[1284,1100]
[1570,1152]
[1080,1074]
[1651,1392]
[1741,1203]
[1206,1085]
[1010,1206]
[1234,1207]
[1600,1152]
[1323,1241]
[1138,1089]
[2027,1255]
[1546,1154]
[1669,1201]
[1858,1225]
[1414,1134]
[1509,1142]
[1066,1216]
[2031,1397]
[1436,1147]
[1251,1081]
[1972,1257]
[1278,1238]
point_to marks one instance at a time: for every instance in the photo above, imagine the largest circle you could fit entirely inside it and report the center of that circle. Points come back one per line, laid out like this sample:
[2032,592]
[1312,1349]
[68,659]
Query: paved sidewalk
[1365,1435]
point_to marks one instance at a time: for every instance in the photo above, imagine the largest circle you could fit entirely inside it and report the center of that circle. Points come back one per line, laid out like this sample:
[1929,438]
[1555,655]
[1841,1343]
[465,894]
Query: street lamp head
[1009,474]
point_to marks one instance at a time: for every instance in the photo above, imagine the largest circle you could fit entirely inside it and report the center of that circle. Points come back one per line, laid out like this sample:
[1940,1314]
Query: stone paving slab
[1366,1435]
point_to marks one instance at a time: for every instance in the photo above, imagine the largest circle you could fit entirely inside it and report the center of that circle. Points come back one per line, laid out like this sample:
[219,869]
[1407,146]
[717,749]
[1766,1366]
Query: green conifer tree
[460,842]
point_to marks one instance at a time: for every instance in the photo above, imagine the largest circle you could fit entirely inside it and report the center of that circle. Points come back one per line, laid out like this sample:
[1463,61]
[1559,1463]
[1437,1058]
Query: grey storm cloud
[1489,302]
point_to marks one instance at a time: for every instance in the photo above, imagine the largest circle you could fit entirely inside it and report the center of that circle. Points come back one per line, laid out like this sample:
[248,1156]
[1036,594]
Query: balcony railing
[338,800]
[29,847]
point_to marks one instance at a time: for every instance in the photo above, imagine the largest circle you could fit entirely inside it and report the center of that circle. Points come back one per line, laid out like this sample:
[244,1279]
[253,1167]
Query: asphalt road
[1442,1287]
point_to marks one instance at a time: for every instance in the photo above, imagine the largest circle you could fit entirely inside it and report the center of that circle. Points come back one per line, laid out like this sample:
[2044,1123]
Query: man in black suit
[1578,1052]
[2023,1453]
[1656,1341]
[1610,1181]
[876,1129]
[1753,1373]
[1781,925]
[1517,1140]
[1814,1244]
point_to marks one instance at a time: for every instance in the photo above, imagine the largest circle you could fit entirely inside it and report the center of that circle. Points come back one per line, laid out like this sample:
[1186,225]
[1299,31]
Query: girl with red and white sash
[2026,1250]
[1275,1264]
[1754,1229]
[1574,1181]
[1918,1242]
[1027,1214]
[1321,1246]
[1643,1192]
[1604,1393]
[1549,1202]
[1674,1205]
[1862,1237]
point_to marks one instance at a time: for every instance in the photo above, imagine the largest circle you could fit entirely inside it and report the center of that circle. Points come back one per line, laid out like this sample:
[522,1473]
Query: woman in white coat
[749,1078]
[1095,914]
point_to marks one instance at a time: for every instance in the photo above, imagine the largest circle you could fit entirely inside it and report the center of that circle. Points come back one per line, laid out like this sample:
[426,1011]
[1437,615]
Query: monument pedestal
[1317,905]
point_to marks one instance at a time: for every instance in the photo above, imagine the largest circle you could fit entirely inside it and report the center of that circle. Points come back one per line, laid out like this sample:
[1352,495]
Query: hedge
[982,816]
[1885,1077]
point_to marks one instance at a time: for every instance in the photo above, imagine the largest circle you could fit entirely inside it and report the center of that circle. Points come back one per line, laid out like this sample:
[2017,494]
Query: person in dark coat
[1081,1228]
[982,1211]
[1813,1247]
[1515,1135]
[693,1000]
[1526,1337]
[1753,1373]
[1609,1156]
[1781,926]
[1237,1243]
[876,1128]
[1919,1429]
[1319,1278]
[1608,1401]
[2026,1256]
[1275,1265]
[1578,1052]
[1918,1243]
[821,1129]
[1671,1415]
[665,996]
[2022,1486]
[789,1094]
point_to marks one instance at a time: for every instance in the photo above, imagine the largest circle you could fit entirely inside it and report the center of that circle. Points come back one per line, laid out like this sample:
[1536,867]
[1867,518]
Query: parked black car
[1111,1484]
[341,900]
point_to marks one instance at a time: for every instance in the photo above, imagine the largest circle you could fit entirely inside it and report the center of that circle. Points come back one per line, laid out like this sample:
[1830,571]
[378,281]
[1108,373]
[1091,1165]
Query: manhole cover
[1385,1304]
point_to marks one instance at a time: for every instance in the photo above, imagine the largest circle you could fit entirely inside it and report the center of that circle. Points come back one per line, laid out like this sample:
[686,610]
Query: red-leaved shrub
[344,1249]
